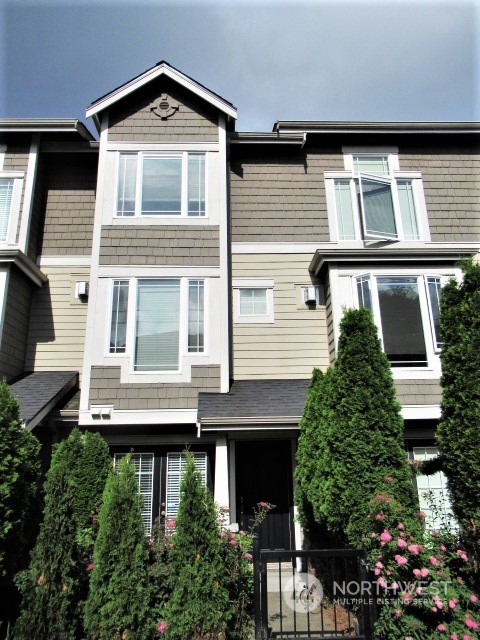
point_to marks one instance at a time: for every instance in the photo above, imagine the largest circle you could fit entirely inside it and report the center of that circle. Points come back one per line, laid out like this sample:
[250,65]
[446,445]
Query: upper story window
[373,200]
[253,301]
[166,321]
[10,196]
[406,311]
[6,192]
[161,184]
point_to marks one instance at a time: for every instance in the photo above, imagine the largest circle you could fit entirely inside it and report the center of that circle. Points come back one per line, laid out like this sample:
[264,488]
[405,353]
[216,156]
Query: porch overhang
[253,405]
[40,392]
[431,253]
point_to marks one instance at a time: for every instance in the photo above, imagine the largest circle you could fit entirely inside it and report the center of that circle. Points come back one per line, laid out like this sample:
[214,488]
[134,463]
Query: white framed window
[143,463]
[11,184]
[176,463]
[161,184]
[373,200]
[156,321]
[406,312]
[433,494]
[253,301]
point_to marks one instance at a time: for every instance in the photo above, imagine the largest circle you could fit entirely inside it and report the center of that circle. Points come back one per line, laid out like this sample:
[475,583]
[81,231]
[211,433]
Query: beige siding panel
[70,184]
[133,120]
[105,388]
[452,191]
[296,342]
[411,392]
[167,245]
[57,328]
[281,199]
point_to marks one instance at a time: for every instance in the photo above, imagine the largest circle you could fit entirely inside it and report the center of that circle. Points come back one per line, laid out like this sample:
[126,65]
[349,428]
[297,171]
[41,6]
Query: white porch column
[221,491]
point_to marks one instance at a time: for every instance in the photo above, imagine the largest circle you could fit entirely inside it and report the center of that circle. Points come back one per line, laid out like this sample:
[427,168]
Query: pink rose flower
[161,626]
[415,549]
[233,541]
[454,636]
[452,603]
[434,560]
[424,572]
[471,624]
[398,613]
[91,565]
[401,543]
[400,526]
[382,583]
[379,516]
[400,560]
[441,627]
[473,598]
[385,536]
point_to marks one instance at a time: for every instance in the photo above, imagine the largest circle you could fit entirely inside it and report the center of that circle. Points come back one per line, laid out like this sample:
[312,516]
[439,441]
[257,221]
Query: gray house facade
[174,283]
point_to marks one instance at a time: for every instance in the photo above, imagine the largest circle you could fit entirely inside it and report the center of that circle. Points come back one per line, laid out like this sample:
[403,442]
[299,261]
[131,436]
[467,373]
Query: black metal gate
[312,595]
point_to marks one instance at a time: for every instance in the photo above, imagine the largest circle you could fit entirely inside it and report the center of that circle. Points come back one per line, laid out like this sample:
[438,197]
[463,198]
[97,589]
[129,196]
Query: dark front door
[264,474]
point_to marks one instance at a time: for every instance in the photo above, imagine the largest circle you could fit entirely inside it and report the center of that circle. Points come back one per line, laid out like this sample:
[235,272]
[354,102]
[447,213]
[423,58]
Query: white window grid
[433,494]
[176,463]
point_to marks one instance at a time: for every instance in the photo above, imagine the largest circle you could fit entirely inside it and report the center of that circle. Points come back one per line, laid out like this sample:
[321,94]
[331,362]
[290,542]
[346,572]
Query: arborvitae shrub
[355,434]
[19,498]
[458,434]
[55,585]
[198,608]
[118,602]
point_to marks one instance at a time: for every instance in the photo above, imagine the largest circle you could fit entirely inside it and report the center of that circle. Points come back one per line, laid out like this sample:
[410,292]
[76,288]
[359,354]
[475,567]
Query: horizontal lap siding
[160,245]
[452,191]
[133,121]
[281,199]
[297,341]
[57,328]
[70,183]
[105,388]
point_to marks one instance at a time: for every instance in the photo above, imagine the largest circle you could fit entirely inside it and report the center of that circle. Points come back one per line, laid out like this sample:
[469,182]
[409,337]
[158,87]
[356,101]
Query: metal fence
[312,595]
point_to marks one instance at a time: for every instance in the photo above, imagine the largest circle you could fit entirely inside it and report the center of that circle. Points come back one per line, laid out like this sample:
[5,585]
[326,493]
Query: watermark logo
[303,593]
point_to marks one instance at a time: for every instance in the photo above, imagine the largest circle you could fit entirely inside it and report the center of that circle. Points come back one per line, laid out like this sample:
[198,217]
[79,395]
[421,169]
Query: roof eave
[45,125]
[400,127]
[161,69]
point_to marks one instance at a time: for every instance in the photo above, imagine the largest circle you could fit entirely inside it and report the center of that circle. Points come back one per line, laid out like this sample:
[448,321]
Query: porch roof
[254,402]
[38,393]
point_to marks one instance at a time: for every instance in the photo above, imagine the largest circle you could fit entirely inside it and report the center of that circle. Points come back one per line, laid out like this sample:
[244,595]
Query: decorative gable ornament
[164,107]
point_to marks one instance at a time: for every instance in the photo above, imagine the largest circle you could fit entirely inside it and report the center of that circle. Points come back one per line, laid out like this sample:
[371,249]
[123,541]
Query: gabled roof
[38,393]
[160,69]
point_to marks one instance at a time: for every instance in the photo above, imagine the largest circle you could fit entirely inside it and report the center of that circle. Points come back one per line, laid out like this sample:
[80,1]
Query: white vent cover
[310,294]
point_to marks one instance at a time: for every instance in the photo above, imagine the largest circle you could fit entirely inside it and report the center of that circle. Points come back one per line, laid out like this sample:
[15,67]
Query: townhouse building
[174,283]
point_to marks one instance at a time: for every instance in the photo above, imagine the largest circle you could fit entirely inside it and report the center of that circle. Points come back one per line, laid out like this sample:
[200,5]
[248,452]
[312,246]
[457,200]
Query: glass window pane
[253,302]
[196,185]
[433,494]
[401,318]
[377,208]
[162,186]
[196,316]
[371,164]
[343,202]
[6,190]
[118,326]
[127,182]
[157,326]
[434,290]
[407,210]
[143,463]
[363,291]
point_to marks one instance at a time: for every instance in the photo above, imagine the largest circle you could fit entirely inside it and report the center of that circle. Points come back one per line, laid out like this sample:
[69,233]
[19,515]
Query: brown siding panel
[452,191]
[278,199]
[70,185]
[418,392]
[166,245]
[133,121]
[105,388]
[15,325]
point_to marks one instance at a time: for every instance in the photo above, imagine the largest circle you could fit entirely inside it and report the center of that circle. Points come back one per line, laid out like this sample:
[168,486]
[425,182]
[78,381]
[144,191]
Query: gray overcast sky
[379,60]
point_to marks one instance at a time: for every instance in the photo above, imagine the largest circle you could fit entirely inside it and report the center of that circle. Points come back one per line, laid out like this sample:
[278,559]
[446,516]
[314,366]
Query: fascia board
[29,268]
[150,75]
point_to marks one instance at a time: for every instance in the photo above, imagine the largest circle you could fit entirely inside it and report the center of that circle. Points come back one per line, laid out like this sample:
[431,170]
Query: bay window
[406,311]
[154,184]
[373,200]
[167,321]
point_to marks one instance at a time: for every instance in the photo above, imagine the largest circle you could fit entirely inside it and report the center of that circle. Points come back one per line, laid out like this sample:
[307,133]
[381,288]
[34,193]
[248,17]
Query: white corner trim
[30,180]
